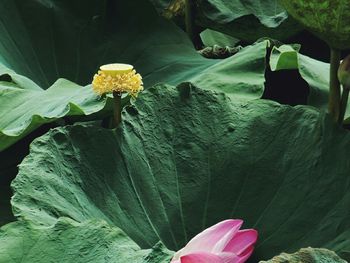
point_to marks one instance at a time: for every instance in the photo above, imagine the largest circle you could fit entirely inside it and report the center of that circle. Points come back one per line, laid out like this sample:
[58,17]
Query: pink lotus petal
[221,243]
[206,240]
[244,256]
[242,241]
[201,257]
[229,257]
[225,240]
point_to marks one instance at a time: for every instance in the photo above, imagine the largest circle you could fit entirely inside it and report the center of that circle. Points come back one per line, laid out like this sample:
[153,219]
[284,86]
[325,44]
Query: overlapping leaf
[70,40]
[314,72]
[68,241]
[184,160]
[329,19]
[25,109]
[312,255]
[64,40]
[245,20]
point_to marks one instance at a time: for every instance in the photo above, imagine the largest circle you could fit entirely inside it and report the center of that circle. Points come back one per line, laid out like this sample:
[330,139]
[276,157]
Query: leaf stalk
[117,97]
[334,88]
[190,22]
[343,104]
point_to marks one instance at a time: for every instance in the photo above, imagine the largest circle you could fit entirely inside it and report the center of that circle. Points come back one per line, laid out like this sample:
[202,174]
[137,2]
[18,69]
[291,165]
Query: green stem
[334,88]
[190,21]
[343,104]
[117,108]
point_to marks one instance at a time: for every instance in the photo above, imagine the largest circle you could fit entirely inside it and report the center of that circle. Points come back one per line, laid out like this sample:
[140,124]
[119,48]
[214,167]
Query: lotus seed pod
[344,72]
[328,19]
[117,78]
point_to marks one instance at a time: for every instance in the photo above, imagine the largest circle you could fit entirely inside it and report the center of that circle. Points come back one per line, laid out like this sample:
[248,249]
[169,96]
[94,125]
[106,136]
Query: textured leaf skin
[329,19]
[307,255]
[184,160]
[34,55]
[9,161]
[28,106]
[68,40]
[246,20]
[68,241]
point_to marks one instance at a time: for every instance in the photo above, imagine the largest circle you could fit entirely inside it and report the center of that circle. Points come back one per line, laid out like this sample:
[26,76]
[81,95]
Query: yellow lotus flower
[117,78]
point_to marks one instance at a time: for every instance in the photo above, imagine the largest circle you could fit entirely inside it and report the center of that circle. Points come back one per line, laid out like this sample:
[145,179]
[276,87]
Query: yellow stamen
[117,78]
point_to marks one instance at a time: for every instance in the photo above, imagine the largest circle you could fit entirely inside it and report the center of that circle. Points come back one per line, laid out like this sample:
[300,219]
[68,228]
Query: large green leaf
[184,160]
[71,40]
[329,19]
[9,161]
[28,108]
[9,75]
[211,38]
[307,255]
[68,241]
[314,72]
[245,20]
[240,76]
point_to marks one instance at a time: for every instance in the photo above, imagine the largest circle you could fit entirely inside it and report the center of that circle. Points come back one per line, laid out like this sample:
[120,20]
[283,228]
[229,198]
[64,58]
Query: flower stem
[343,104]
[117,108]
[334,88]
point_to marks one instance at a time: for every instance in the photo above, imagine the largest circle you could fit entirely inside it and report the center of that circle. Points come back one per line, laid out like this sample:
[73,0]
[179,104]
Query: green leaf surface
[28,108]
[50,47]
[329,19]
[212,37]
[68,241]
[307,255]
[185,159]
[241,76]
[247,20]
[68,40]
[314,72]
[269,13]
[9,161]
[9,75]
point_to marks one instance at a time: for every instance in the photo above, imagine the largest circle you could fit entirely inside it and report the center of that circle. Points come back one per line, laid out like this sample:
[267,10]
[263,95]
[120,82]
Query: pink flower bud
[221,243]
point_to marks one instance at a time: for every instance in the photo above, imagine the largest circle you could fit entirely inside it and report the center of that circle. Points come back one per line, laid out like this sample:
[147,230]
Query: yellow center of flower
[117,78]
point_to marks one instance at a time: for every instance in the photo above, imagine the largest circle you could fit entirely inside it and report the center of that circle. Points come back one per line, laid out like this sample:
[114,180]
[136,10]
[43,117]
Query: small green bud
[344,72]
